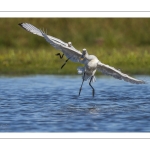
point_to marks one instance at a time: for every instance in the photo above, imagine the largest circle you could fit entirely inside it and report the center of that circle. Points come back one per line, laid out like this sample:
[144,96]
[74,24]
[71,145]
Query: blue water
[51,104]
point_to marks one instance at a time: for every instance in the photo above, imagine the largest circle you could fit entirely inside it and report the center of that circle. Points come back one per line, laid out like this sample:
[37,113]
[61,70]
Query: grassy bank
[44,61]
[122,43]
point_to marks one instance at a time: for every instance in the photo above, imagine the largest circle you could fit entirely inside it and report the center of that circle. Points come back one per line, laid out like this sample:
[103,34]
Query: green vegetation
[120,42]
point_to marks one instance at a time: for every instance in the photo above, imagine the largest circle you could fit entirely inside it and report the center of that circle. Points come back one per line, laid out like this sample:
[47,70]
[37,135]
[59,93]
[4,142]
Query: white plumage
[91,62]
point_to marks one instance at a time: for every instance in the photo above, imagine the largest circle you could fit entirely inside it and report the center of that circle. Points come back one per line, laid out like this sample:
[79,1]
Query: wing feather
[108,70]
[71,53]
[32,29]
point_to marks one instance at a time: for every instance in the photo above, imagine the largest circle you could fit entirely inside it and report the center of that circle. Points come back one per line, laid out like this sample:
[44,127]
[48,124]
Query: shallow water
[51,104]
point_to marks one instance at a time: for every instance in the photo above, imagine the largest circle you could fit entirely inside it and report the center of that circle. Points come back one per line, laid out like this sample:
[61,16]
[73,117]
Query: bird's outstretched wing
[108,70]
[69,51]
[34,30]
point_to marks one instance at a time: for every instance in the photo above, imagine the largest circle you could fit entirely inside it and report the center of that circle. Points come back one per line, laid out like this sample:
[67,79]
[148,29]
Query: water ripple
[51,104]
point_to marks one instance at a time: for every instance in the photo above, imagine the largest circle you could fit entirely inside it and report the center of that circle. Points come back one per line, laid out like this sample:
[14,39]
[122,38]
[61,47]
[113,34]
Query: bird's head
[69,44]
[84,54]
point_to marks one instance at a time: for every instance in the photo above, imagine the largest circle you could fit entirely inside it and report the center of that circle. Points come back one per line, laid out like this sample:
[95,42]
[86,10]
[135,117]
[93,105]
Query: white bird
[91,62]
[37,31]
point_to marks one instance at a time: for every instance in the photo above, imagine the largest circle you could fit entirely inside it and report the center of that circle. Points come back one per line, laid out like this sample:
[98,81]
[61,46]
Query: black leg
[64,63]
[61,56]
[81,84]
[91,85]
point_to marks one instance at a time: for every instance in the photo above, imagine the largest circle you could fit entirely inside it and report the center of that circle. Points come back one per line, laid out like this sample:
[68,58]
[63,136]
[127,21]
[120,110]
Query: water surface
[51,104]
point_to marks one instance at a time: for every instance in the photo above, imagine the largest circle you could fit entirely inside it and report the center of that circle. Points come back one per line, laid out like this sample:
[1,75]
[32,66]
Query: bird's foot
[61,56]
